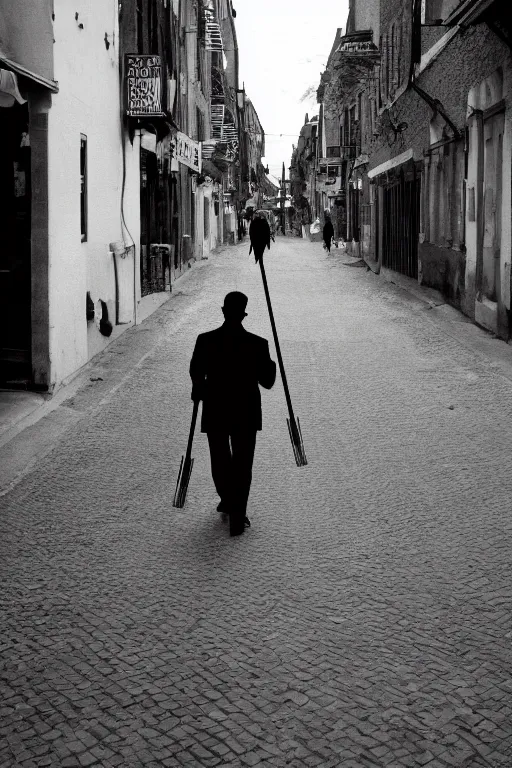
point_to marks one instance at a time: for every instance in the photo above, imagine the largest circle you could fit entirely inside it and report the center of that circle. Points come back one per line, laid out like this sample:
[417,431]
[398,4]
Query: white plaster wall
[87,103]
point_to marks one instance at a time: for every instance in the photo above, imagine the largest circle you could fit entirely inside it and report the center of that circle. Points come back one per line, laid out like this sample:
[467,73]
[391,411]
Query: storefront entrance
[400,201]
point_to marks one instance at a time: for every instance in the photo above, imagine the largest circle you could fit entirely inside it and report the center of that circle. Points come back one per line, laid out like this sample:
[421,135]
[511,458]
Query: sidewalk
[32,423]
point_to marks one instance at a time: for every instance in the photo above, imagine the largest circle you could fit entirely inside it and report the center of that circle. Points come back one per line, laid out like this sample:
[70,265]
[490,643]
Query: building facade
[121,124]
[421,94]
[27,86]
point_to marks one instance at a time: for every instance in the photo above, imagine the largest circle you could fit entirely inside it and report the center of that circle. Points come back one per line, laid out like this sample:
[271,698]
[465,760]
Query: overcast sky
[283,47]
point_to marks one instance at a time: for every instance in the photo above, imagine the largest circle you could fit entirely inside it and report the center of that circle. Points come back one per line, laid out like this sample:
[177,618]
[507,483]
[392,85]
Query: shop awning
[52,85]
[404,157]
[9,91]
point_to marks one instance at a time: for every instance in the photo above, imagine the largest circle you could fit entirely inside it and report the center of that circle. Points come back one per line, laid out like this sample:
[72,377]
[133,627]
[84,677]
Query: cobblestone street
[365,617]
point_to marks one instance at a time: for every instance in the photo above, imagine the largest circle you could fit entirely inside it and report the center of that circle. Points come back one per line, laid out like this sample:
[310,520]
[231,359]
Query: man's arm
[266,368]
[197,370]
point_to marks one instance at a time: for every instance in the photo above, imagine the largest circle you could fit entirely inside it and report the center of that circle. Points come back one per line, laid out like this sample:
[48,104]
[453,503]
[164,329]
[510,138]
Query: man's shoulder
[252,338]
[207,336]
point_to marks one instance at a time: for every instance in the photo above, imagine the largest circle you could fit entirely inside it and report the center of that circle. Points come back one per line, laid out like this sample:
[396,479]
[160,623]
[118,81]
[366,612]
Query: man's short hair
[235,302]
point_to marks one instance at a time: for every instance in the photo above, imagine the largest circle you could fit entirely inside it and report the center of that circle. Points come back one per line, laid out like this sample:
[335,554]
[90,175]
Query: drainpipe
[116,279]
[433,103]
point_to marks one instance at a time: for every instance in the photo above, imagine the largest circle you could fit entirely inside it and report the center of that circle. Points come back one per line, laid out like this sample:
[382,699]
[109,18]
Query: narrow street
[365,617]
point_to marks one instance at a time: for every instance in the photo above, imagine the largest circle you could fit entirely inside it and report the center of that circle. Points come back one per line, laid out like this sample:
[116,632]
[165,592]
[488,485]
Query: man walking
[328,231]
[226,369]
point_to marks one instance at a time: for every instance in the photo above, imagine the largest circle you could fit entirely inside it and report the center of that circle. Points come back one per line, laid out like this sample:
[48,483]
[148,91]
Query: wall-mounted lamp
[395,130]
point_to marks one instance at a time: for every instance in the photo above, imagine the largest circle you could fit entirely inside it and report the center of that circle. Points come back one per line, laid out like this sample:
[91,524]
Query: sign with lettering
[358,48]
[187,151]
[143,85]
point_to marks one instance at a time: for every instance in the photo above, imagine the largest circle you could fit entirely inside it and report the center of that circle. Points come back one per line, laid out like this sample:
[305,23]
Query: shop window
[83,186]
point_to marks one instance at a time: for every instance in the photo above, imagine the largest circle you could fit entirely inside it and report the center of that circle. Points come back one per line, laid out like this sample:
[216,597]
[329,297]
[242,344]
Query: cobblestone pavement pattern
[363,620]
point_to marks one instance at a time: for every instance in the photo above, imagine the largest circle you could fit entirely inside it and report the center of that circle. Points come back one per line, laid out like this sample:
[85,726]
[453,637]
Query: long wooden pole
[276,340]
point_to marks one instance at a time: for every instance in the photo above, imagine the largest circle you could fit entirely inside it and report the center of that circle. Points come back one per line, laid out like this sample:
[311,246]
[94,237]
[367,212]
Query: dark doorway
[401,207]
[15,253]
[153,264]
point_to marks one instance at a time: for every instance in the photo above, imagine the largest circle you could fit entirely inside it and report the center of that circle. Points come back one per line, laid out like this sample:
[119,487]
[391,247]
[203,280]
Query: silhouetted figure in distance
[259,233]
[227,367]
[328,231]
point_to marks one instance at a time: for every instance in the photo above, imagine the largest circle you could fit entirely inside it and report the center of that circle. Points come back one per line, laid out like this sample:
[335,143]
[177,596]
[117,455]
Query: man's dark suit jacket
[226,368]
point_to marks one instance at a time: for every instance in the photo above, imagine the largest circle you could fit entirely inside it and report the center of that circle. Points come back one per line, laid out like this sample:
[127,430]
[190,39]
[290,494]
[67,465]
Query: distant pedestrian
[227,367]
[259,234]
[328,232]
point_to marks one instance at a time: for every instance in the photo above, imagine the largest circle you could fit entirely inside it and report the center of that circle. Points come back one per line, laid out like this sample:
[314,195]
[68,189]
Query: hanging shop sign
[358,44]
[187,151]
[143,85]
[358,48]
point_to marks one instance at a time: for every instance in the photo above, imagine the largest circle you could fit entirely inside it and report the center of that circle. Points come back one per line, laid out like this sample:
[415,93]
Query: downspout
[434,104]
[116,282]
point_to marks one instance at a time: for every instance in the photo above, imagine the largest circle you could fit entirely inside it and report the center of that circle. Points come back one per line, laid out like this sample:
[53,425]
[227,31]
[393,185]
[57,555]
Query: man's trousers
[232,455]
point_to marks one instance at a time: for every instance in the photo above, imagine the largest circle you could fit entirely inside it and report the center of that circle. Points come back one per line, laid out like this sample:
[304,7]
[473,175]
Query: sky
[283,47]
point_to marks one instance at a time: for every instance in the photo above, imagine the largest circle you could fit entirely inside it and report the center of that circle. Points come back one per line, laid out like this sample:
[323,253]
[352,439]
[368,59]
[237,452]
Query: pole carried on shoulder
[259,234]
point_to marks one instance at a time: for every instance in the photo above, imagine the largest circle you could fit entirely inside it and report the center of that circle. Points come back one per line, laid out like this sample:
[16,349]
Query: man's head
[234,307]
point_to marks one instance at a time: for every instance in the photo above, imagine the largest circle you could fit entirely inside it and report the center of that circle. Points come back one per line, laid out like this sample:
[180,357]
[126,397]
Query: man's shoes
[222,507]
[236,526]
